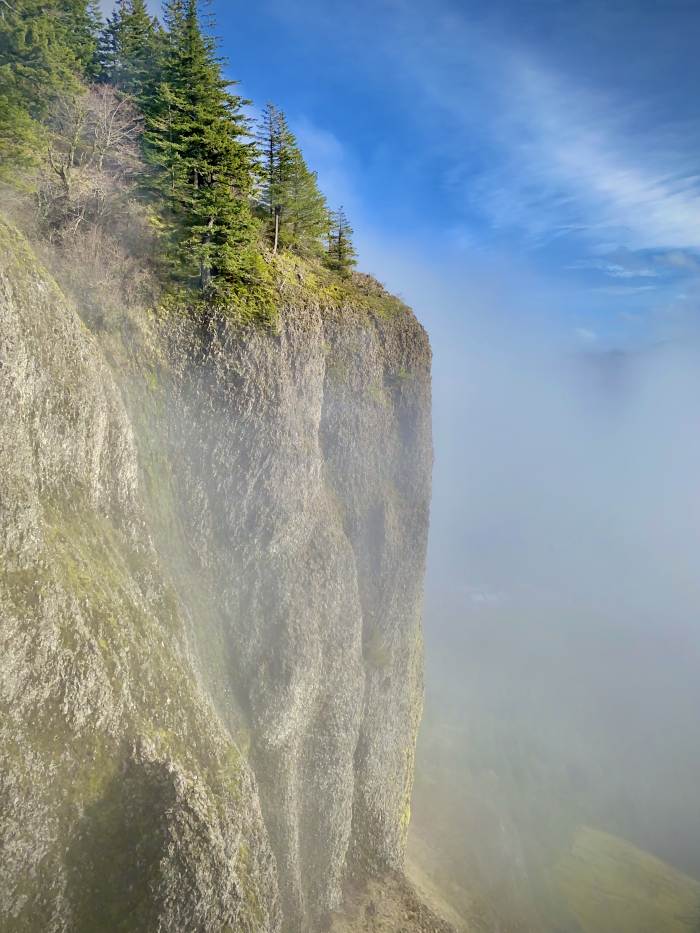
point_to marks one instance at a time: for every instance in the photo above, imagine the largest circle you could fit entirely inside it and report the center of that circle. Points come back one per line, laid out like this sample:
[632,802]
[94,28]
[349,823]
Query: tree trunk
[278,211]
[205,267]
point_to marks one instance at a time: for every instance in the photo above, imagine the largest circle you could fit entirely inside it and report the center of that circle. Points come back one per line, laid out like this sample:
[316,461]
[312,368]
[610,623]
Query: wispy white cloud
[579,161]
[623,290]
[614,270]
[534,150]
[622,263]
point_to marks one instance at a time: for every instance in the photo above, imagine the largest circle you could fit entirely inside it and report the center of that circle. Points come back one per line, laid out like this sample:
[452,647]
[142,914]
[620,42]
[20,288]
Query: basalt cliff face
[212,544]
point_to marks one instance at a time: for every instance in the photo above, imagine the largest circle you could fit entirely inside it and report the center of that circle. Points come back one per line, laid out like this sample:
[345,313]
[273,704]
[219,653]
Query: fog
[562,602]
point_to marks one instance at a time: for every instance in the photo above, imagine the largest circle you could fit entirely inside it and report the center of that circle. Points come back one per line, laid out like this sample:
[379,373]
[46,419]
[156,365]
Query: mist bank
[563,591]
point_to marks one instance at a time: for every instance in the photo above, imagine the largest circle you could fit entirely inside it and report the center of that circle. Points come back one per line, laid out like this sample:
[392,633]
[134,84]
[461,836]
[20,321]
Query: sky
[544,149]
[549,145]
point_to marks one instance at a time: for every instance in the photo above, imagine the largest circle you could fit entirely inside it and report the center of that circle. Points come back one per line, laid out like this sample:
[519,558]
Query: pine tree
[82,25]
[46,46]
[270,139]
[340,253]
[295,209]
[197,143]
[306,218]
[131,50]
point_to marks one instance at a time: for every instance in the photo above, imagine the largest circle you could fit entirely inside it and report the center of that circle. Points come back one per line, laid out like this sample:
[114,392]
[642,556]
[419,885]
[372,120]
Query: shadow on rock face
[113,863]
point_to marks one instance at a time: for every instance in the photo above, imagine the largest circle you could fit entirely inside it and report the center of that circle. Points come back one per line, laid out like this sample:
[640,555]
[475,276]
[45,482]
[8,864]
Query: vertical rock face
[124,805]
[303,461]
[230,561]
[376,438]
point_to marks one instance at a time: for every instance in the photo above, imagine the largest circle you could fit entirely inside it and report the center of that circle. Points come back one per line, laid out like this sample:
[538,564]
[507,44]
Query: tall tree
[270,139]
[46,46]
[82,23]
[306,217]
[132,45]
[340,253]
[295,210]
[197,142]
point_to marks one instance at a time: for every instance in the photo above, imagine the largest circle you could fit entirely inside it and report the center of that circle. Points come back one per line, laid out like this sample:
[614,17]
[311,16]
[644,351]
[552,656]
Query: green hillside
[610,886]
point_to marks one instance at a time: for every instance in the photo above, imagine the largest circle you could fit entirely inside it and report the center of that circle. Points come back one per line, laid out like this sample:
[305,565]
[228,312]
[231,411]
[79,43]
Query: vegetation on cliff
[138,153]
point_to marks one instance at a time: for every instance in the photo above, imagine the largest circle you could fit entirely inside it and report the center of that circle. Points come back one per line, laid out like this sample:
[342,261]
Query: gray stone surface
[124,804]
[210,592]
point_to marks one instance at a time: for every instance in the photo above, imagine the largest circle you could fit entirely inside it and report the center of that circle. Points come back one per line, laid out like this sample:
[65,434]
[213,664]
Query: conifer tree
[46,46]
[295,209]
[340,253]
[131,50]
[197,143]
[270,139]
[82,25]
[306,217]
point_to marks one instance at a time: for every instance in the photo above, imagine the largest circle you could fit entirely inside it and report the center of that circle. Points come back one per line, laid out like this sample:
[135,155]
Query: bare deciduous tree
[86,200]
[92,160]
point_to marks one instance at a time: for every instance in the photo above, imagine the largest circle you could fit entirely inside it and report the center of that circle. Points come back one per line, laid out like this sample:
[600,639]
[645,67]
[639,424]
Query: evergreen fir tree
[131,50]
[46,46]
[269,137]
[82,25]
[340,253]
[305,218]
[197,143]
[295,209]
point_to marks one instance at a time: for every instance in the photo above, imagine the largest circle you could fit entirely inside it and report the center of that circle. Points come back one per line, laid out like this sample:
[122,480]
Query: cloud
[571,160]
[623,290]
[622,263]
[615,270]
[533,150]
[483,596]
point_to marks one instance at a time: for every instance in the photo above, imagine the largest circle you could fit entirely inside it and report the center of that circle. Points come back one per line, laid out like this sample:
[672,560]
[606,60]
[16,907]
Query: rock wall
[210,601]
[124,805]
[303,461]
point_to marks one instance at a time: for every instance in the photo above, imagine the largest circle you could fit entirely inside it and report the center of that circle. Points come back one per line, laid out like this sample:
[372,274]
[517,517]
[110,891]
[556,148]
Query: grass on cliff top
[128,319]
[610,886]
[299,278]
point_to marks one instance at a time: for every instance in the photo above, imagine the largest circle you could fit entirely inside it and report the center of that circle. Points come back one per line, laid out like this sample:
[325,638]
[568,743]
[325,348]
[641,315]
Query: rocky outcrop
[211,593]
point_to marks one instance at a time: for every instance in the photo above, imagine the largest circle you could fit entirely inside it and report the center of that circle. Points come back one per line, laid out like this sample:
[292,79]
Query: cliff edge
[212,548]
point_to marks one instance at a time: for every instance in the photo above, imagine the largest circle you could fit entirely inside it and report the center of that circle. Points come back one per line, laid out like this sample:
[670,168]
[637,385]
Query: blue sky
[541,154]
[545,148]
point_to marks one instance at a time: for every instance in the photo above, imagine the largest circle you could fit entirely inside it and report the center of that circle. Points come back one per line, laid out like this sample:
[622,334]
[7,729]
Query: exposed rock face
[231,560]
[123,803]
[304,463]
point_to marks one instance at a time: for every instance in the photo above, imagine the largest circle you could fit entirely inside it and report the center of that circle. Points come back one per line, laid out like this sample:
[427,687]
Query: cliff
[212,549]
